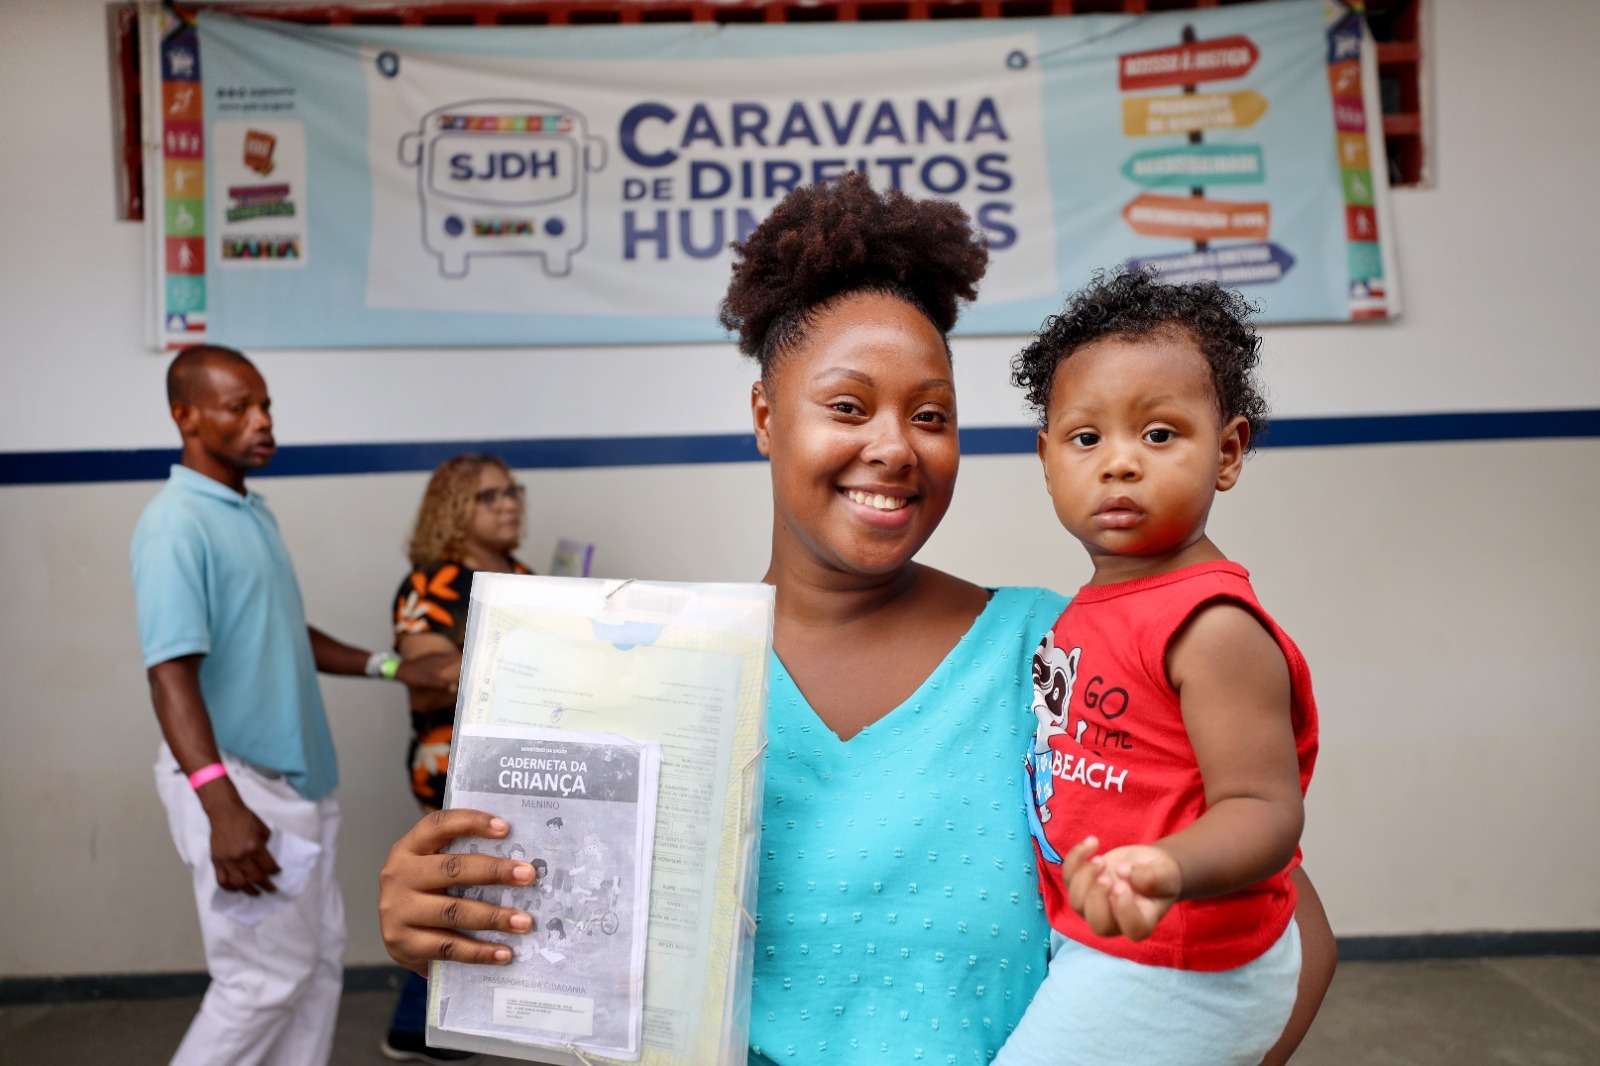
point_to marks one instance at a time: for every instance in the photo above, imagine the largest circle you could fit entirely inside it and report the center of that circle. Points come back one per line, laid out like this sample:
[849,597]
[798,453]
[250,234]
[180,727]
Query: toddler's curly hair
[829,240]
[1132,306]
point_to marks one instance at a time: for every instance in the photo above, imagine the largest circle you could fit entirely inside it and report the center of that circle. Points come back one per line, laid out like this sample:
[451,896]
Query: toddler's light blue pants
[1095,1010]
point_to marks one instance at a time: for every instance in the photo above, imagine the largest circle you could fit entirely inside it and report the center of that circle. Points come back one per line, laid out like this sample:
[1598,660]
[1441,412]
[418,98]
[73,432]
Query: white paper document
[296,856]
[688,702]
[682,669]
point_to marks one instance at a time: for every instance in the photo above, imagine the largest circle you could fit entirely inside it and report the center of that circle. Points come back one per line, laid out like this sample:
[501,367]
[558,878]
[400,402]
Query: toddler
[1177,729]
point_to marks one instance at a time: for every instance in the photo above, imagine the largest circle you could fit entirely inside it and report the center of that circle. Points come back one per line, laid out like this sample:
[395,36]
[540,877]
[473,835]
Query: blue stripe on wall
[150,464]
[80,988]
[1366,429]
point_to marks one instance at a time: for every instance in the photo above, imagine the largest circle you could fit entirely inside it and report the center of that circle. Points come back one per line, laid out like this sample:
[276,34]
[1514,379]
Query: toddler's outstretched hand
[1123,892]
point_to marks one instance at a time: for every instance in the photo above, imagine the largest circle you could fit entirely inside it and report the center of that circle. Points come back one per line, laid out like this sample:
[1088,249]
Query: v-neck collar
[910,704]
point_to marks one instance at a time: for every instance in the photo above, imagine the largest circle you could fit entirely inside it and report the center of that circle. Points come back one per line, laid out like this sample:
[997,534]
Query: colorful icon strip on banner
[1367,290]
[183,175]
[1195,165]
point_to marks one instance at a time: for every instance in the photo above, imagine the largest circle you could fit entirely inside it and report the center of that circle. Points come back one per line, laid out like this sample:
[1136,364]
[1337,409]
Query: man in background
[246,769]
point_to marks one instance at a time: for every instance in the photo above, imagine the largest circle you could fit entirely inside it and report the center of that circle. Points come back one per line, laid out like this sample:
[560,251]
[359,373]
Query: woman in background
[470,521]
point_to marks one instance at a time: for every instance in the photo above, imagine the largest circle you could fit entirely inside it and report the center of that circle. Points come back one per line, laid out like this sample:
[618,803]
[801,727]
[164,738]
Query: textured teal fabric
[899,912]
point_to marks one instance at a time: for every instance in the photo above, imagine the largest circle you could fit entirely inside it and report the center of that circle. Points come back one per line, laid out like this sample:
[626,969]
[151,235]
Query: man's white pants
[274,994]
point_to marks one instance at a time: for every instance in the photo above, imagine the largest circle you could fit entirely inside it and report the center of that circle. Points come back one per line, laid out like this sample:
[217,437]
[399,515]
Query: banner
[580,185]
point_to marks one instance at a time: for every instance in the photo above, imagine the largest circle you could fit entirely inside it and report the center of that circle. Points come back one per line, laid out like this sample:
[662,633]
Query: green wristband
[390,667]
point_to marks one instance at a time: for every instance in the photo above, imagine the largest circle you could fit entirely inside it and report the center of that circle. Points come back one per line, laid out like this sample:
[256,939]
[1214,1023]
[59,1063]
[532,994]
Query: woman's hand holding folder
[420,920]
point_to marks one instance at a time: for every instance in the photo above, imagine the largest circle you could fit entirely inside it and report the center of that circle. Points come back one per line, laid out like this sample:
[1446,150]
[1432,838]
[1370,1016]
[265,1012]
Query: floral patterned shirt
[433,599]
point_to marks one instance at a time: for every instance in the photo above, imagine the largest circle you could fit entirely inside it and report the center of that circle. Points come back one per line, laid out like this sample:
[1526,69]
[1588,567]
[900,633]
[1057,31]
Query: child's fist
[1123,892]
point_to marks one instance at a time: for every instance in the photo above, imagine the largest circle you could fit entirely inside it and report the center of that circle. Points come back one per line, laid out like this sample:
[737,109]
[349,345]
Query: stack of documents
[618,727]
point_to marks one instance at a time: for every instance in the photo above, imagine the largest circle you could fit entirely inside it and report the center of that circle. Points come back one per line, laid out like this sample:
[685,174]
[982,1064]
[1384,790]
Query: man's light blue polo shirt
[211,577]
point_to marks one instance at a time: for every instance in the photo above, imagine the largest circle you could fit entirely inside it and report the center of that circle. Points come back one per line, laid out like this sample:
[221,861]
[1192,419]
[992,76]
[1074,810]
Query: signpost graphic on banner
[1195,164]
[1157,116]
[1198,217]
[1189,63]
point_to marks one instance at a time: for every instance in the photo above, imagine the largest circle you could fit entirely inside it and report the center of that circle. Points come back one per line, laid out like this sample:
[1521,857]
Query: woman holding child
[899,910]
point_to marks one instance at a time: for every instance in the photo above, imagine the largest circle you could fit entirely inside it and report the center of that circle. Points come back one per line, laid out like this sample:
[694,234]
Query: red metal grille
[1395,23]
[1397,27]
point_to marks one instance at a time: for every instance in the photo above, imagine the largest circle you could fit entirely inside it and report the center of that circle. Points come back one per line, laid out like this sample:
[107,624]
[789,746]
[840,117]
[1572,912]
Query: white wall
[1446,594]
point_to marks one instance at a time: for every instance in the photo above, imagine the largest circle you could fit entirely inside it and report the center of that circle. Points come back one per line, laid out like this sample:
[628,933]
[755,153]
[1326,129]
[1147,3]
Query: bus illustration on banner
[503,177]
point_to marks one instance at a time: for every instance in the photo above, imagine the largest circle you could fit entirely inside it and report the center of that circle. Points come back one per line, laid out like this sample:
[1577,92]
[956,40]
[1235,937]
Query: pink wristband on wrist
[207,774]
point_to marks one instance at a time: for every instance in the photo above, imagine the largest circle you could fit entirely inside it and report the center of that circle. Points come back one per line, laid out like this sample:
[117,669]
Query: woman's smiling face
[859,421]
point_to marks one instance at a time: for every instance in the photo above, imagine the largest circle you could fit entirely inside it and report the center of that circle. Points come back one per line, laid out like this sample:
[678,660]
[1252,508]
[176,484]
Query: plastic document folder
[618,727]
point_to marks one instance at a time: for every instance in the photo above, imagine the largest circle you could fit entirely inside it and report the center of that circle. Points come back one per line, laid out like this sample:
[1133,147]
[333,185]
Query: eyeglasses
[490,497]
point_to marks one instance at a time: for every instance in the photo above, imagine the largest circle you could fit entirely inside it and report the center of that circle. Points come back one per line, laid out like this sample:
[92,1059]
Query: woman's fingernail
[498,825]
[522,872]
[521,922]
[502,954]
